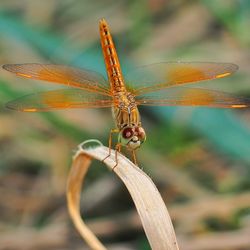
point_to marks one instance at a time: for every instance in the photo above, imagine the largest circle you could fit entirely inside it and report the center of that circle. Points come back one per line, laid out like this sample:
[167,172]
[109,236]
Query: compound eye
[127,133]
[140,132]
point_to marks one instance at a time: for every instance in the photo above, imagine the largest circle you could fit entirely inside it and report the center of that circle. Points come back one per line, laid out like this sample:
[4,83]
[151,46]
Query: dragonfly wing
[60,99]
[164,75]
[180,96]
[74,77]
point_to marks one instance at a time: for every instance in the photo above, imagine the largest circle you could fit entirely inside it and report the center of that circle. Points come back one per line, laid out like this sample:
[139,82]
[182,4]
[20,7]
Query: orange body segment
[111,58]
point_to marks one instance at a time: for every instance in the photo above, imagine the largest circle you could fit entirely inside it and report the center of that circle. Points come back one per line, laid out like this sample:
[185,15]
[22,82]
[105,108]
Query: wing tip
[240,102]
[7,67]
[12,67]
[11,105]
[234,67]
[240,106]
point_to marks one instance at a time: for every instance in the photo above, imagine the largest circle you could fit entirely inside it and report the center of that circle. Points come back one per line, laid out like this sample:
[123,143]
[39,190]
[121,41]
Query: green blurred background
[199,158]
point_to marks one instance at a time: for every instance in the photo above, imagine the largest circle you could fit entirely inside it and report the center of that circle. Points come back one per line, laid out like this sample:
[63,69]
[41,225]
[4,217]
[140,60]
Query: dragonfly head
[132,137]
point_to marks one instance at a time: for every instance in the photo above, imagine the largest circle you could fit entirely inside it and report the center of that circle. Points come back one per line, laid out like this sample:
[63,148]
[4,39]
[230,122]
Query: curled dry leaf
[149,204]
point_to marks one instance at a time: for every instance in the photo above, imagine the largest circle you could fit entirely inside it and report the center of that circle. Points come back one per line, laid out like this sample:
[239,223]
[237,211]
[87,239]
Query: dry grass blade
[76,176]
[150,206]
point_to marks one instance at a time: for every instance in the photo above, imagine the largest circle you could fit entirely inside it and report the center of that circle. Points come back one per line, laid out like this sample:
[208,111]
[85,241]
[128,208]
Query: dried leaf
[150,206]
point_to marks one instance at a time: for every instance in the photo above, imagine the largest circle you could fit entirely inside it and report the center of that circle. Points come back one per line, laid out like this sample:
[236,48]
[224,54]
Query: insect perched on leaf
[158,84]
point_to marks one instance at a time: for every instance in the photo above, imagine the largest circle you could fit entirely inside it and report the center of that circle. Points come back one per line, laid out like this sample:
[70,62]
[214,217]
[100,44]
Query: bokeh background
[199,158]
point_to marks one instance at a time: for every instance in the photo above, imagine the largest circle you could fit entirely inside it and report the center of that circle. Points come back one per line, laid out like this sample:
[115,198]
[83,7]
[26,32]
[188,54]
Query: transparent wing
[164,75]
[180,96]
[60,99]
[74,77]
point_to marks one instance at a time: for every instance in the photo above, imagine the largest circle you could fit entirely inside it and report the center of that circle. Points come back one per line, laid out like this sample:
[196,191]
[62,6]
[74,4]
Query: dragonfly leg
[112,131]
[134,157]
[117,149]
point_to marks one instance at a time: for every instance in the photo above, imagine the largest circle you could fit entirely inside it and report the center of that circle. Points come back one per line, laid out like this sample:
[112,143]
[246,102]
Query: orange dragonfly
[158,84]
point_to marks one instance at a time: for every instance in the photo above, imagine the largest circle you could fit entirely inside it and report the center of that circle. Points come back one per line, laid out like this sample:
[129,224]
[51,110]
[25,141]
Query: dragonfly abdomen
[111,58]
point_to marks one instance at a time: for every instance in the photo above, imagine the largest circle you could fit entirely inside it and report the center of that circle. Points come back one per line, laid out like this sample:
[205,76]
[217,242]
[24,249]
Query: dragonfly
[159,84]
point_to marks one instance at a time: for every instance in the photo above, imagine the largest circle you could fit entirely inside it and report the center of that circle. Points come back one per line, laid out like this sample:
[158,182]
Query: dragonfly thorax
[124,100]
[125,111]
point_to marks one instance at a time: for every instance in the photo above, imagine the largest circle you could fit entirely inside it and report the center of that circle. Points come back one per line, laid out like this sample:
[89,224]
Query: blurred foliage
[195,155]
[234,15]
